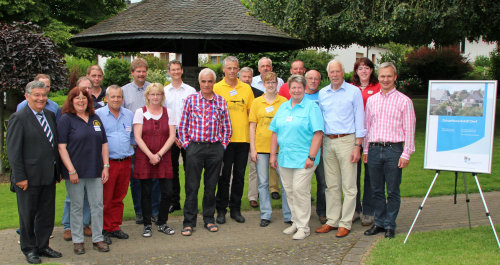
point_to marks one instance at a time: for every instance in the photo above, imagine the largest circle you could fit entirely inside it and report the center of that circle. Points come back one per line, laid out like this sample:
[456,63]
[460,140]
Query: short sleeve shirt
[239,100]
[118,131]
[262,113]
[295,128]
[84,144]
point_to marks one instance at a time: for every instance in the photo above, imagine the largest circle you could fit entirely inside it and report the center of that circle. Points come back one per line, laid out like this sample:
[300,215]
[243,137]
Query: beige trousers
[339,171]
[297,185]
[253,192]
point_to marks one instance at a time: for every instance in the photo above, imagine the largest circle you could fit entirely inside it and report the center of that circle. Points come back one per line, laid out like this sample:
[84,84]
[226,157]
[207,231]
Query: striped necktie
[45,127]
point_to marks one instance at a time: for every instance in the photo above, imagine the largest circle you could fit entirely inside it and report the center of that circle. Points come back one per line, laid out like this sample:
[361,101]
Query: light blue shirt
[118,131]
[133,96]
[295,129]
[259,84]
[343,110]
[312,97]
[51,105]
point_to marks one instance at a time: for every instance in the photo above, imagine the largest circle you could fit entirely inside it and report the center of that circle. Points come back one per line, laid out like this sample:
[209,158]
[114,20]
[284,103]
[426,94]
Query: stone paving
[250,244]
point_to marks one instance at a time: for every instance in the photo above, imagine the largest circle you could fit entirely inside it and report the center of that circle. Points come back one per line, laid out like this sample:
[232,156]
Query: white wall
[348,56]
[478,48]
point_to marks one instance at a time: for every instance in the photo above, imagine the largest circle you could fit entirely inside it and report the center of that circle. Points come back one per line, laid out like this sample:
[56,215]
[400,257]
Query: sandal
[187,231]
[211,227]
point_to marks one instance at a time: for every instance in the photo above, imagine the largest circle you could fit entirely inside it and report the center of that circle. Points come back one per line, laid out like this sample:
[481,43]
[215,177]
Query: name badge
[128,128]
[233,92]
[97,128]
[370,92]
[269,109]
[289,118]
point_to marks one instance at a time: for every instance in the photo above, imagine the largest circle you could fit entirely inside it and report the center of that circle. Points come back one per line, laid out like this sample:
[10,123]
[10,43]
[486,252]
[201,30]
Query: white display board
[460,126]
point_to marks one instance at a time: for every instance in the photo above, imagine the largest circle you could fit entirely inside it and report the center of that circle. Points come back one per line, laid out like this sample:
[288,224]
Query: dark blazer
[31,155]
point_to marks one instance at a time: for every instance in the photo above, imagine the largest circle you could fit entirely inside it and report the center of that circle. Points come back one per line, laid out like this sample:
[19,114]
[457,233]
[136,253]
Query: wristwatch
[311,158]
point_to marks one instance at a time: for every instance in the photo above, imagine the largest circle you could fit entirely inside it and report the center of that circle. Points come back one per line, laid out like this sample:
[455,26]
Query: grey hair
[33,84]
[207,71]
[298,79]
[229,59]
[264,58]
[245,69]
[334,61]
[389,64]
[113,87]
[83,78]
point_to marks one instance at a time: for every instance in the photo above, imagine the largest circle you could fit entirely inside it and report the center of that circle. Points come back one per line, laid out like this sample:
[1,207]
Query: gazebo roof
[207,26]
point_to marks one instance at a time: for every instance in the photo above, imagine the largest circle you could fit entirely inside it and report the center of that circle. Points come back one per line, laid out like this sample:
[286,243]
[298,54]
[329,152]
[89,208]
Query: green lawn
[415,183]
[457,246]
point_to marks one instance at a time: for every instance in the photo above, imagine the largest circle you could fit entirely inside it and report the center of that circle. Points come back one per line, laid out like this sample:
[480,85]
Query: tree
[24,53]
[61,19]
[327,23]
[281,61]
[117,72]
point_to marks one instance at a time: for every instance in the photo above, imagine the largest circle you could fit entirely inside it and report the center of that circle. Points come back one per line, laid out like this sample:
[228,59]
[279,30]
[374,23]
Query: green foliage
[495,64]
[116,71]
[314,60]
[340,23]
[156,76]
[436,64]
[217,69]
[81,63]
[155,63]
[61,19]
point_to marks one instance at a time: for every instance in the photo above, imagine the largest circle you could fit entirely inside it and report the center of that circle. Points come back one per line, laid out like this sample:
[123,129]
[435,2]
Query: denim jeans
[321,186]
[135,189]
[67,211]
[384,172]
[266,210]
[366,205]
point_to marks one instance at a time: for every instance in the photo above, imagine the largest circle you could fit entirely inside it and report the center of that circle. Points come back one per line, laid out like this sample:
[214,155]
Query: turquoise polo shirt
[295,129]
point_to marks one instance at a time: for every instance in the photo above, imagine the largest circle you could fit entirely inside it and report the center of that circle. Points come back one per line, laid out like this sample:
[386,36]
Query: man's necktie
[45,127]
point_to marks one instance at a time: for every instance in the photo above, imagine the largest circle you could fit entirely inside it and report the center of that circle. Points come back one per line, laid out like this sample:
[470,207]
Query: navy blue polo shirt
[84,144]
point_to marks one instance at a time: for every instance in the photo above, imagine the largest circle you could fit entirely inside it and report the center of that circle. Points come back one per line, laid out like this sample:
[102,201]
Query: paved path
[250,244]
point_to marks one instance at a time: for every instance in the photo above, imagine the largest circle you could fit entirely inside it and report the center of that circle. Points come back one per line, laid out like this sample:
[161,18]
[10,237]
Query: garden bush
[116,71]
[495,64]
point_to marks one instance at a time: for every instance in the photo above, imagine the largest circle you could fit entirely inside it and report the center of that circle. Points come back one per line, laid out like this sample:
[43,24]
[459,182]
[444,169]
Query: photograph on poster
[460,119]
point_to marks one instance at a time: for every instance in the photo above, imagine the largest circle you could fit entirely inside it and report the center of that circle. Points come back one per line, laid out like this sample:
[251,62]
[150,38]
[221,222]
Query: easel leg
[486,209]
[467,200]
[421,206]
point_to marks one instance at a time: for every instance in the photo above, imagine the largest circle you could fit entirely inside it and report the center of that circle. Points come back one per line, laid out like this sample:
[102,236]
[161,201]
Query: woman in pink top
[364,78]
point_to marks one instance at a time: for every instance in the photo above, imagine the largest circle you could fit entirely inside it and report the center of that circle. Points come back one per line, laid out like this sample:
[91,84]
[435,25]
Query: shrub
[217,69]
[116,71]
[495,64]
[155,63]
[436,64]
[156,76]
[314,59]
[79,65]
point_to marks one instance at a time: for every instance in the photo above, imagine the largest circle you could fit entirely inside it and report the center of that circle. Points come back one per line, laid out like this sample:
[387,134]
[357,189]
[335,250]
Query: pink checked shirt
[390,118]
[205,120]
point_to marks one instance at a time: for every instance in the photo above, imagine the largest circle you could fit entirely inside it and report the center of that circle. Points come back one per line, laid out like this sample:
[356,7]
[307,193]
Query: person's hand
[309,163]
[23,184]
[356,154]
[73,178]
[105,175]
[178,143]
[253,156]
[365,158]
[154,159]
[403,162]
[272,161]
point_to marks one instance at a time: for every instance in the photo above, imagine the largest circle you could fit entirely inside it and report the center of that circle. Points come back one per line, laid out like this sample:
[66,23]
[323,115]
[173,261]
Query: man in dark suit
[33,157]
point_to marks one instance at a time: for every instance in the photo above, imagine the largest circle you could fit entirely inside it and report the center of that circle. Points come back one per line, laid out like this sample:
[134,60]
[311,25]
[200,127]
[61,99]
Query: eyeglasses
[156,95]
[270,83]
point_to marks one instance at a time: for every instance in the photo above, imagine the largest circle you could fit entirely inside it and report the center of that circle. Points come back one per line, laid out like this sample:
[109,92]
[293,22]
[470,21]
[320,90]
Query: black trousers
[146,202]
[36,207]
[235,158]
[176,186]
[207,156]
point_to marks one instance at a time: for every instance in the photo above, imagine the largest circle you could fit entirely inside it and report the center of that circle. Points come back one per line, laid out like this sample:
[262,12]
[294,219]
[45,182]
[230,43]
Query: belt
[384,143]
[121,159]
[195,142]
[335,136]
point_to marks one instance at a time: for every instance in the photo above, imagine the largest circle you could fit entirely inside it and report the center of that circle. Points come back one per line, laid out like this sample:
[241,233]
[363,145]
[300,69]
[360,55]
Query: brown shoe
[67,235]
[79,248]
[325,228]
[101,246]
[342,232]
[87,231]
[254,204]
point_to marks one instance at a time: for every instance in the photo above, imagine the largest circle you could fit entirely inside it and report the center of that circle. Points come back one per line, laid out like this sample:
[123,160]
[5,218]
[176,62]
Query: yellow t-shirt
[263,113]
[238,101]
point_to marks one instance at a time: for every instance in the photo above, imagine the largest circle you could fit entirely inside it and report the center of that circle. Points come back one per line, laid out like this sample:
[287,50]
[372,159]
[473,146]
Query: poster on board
[460,126]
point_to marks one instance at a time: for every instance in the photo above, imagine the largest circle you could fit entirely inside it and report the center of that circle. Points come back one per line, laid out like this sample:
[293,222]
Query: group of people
[105,139]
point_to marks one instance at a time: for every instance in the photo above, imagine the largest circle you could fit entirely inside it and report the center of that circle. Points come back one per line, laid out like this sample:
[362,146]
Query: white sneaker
[301,234]
[148,231]
[290,230]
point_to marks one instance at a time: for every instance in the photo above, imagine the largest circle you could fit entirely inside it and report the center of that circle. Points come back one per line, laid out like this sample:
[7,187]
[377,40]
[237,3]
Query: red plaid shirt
[205,120]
